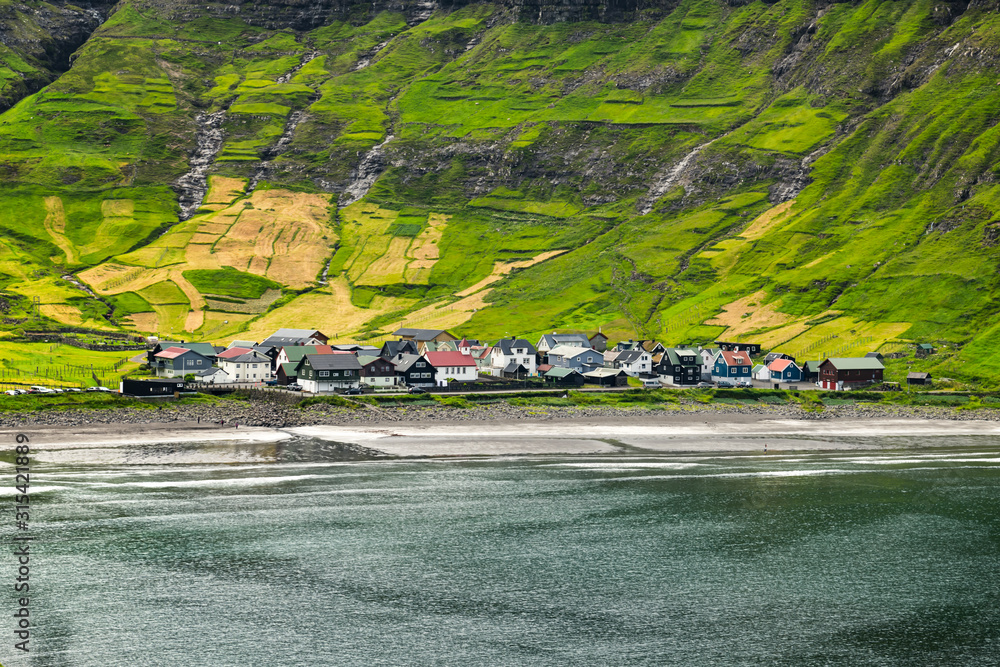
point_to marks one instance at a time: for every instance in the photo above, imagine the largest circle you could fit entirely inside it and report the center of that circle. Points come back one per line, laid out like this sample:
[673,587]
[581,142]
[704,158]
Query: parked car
[271,383]
[723,384]
[652,384]
[354,391]
[416,390]
[92,389]
[11,392]
[293,387]
[57,390]
[75,389]
[704,385]
[744,384]
[103,389]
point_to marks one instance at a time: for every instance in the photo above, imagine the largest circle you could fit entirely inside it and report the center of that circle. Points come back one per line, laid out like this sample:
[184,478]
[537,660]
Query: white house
[452,366]
[634,362]
[248,367]
[516,351]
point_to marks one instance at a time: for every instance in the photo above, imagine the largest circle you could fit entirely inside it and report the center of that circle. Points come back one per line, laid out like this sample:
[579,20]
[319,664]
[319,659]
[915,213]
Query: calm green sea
[849,559]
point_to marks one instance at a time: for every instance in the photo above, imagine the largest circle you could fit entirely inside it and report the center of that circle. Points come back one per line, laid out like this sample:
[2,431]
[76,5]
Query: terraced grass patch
[230,282]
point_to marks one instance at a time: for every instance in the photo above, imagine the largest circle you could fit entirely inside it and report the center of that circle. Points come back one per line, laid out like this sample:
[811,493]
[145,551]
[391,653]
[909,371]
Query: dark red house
[850,372]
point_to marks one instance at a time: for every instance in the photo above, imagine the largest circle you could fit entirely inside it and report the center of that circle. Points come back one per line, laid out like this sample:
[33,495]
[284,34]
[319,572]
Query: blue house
[785,370]
[732,367]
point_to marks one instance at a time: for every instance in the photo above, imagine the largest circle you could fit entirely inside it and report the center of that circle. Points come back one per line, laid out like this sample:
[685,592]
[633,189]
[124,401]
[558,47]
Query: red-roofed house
[732,367]
[785,370]
[452,366]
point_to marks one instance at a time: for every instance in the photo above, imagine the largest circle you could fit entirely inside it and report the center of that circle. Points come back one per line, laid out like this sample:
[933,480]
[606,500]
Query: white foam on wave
[46,489]
[600,465]
[233,481]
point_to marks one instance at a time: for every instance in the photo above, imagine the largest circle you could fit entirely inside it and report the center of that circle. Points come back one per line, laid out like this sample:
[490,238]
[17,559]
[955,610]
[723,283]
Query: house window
[419,364]
[324,374]
[198,362]
[348,374]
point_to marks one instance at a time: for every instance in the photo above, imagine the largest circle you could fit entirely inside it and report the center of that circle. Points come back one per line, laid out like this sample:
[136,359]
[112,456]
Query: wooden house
[918,378]
[845,373]
[732,367]
[726,346]
[328,372]
[607,377]
[178,362]
[376,371]
[423,335]
[563,376]
[784,370]
[413,370]
[679,366]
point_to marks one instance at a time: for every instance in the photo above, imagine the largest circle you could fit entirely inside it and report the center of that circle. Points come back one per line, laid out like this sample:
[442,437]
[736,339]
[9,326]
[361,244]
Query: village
[434,360]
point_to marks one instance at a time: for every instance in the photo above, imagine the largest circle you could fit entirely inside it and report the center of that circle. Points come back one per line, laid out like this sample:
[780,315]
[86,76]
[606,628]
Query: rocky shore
[265,414]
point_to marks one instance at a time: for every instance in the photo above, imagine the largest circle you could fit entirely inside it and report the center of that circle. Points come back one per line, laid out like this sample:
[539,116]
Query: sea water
[888,558]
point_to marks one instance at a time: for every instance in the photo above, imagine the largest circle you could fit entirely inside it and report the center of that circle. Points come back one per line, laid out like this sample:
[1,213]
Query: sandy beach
[642,433]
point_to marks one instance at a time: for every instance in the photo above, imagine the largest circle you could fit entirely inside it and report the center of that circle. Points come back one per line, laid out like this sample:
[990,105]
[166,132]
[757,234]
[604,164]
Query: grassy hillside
[815,176]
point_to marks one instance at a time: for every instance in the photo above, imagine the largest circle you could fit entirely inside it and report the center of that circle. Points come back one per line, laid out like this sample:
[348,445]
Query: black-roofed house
[516,352]
[727,346]
[918,378]
[680,366]
[393,348]
[563,377]
[413,370]
[636,362]
[317,373]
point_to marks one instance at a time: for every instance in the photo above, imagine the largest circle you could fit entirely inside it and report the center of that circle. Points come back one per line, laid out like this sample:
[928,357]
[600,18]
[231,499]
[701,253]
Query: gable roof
[554,339]
[391,348]
[439,359]
[757,369]
[234,352]
[631,356]
[506,345]
[854,363]
[559,372]
[250,357]
[779,365]
[173,352]
[289,367]
[405,361]
[331,362]
[735,358]
[604,372]
[204,349]
[421,334]
[918,376]
[812,365]
[242,343]
[571,351]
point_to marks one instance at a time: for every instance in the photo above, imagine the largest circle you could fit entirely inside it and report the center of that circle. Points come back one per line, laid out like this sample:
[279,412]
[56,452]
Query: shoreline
[338,434]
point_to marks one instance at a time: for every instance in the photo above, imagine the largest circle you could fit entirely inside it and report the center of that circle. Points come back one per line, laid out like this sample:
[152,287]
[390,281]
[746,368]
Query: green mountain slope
[815,176]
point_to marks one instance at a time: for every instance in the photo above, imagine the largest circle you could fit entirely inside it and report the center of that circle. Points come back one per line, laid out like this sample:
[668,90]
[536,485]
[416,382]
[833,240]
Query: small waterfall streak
[661,187]
[192,186]
[369,169]
[264,167]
